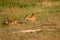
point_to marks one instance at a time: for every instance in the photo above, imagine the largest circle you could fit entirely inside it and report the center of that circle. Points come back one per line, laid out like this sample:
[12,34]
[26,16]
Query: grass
[16,4]
[15,10]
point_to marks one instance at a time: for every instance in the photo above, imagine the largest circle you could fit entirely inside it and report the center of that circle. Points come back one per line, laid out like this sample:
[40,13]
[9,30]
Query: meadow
[46,11]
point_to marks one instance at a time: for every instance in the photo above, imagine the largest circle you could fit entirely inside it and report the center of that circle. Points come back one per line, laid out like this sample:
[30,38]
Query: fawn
[31,18]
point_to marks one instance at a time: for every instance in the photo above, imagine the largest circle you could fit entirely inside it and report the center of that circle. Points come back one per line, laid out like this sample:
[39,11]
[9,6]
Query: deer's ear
[25,16]
[33,14]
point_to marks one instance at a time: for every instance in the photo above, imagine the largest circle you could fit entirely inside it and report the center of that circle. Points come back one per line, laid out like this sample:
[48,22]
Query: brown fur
[32,17]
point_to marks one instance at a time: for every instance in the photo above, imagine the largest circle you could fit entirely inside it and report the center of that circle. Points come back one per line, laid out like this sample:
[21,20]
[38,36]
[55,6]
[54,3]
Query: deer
[31,18]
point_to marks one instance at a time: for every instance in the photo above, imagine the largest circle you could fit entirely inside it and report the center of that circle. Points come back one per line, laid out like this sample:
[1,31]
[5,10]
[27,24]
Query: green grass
[16,4]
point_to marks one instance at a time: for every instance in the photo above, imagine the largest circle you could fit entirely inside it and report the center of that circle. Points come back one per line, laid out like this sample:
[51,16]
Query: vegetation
[46,11]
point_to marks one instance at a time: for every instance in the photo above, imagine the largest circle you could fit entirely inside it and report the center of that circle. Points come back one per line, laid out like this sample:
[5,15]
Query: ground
[48,17]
